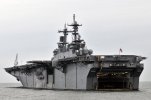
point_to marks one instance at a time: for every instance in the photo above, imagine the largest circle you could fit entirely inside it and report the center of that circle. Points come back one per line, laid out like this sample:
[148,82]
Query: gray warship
[74,67]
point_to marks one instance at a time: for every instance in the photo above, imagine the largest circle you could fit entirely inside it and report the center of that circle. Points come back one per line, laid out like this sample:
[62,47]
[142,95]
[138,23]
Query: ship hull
[80,76]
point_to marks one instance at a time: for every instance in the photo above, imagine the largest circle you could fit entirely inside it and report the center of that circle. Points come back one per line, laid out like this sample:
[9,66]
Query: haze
[29,28]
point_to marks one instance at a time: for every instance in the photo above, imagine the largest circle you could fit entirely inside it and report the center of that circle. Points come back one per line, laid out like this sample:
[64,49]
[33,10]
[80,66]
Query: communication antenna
[120,51]
[16,60]
[65,33]
[75,26]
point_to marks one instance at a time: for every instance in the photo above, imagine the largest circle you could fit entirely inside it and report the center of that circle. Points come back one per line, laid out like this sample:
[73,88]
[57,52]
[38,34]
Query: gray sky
[29,28]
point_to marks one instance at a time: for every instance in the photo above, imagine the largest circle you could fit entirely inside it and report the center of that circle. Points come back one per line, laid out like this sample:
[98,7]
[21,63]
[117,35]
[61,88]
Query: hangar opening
[112,80]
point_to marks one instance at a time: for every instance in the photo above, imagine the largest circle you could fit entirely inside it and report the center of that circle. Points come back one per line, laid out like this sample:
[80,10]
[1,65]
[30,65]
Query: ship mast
[75,33]
[65,33]
[63,39]
[76,42]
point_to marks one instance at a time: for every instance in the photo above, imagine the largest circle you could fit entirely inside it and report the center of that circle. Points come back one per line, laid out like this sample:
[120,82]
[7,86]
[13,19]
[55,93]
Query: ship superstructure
[74,67]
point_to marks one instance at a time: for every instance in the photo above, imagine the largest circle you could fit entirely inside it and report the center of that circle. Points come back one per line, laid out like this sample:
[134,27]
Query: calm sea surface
[9,91]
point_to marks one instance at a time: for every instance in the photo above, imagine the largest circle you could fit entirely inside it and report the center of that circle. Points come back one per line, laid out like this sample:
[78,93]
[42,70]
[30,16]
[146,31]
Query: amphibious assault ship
[74,67]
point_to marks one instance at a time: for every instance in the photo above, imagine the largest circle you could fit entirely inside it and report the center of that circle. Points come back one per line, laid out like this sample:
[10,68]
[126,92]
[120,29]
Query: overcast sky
[29,28]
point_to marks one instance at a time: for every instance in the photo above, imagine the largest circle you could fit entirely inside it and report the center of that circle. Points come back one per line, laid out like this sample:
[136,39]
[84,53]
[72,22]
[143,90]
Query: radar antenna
[75,29]
[65,33]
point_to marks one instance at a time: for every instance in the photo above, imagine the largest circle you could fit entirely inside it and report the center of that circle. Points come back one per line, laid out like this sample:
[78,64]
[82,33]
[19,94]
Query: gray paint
[71,77]
[74,67]
[59,79]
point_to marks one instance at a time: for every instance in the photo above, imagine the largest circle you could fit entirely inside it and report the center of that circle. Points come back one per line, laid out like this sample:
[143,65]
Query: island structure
[74,67]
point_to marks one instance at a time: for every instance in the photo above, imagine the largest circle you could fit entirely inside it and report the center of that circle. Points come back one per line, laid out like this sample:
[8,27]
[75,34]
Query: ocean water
[10,91]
